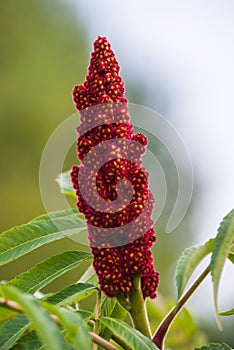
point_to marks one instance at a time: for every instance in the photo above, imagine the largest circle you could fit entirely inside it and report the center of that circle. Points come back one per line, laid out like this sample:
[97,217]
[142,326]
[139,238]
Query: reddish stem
[163,328]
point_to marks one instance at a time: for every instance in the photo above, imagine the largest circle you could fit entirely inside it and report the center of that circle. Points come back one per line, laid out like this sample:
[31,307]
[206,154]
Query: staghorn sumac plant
[114,205]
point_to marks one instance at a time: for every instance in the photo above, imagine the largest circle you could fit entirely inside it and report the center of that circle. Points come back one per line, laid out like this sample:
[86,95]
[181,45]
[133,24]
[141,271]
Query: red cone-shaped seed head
[120,230]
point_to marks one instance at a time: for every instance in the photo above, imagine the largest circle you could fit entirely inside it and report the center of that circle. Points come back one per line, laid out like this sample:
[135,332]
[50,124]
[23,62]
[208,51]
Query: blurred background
[175,57]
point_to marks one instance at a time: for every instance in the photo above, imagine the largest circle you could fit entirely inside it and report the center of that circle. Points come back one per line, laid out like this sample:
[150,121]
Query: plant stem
[138,309]
[163,328]
[102,342]
[95,338]
[97,314]
[10,304]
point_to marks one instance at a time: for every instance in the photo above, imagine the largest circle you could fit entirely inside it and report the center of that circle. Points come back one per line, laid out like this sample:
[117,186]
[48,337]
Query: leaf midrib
[21,330]
[216,277]
[135,334]
[51,277]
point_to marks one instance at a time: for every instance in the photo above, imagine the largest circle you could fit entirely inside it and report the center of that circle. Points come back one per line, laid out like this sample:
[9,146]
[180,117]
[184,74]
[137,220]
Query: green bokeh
[43,54]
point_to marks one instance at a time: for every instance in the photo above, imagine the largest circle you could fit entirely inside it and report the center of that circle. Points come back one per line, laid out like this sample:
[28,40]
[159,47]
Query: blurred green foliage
[43,54]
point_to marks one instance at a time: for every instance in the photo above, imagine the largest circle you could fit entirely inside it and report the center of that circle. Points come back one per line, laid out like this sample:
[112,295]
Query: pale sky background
[184,50]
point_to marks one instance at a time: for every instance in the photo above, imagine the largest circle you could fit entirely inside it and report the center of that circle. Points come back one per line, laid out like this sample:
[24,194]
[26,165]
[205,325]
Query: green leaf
[187,263]
[224,240]
[29,341]
[6,314]
[11,331]
[48,270]
[59,214]
[46,328]
[215,346]
[227,313]
[76,331]
[72,294]
[42,230]
[116,312]
[119,312]
[65,185]
[231,258]
[84,314]
[107,305]
[231,254]
[129,335]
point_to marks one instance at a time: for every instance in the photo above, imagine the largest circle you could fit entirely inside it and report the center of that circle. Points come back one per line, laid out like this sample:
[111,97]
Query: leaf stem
[163,328]
[10,304]
[138,309]
[102,342]
[97,314]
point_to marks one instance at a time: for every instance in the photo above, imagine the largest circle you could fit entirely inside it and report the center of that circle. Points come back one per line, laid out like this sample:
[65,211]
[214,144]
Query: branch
[163,328]
[102,342]
[95,338]
[10,304]
[97,314]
